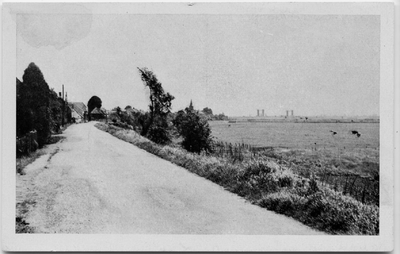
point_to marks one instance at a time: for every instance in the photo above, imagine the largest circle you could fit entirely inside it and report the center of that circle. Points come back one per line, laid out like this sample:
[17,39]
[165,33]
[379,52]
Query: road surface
[92,182]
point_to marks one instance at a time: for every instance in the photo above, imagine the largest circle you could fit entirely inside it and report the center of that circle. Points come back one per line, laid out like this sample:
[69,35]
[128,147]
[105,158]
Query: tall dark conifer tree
[33,111]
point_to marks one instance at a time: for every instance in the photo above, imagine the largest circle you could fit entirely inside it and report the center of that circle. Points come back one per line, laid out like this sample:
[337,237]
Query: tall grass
[359,179]
[268,184]
[352,176]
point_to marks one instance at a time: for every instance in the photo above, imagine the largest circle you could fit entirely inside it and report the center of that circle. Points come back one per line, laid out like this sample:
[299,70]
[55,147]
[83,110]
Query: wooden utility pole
[63,107]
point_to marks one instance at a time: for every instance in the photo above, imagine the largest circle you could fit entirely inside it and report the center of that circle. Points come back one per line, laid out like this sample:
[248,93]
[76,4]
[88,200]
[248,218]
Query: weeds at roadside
[352,175]
[356,177]
[54,139]
[25,160]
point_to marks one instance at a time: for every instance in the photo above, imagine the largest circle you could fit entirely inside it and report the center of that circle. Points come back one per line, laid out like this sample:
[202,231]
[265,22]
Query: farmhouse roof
[79,107]
[75,114]
[97,111]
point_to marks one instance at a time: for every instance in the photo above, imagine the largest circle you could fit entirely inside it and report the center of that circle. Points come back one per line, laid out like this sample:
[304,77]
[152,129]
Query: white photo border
[118,242]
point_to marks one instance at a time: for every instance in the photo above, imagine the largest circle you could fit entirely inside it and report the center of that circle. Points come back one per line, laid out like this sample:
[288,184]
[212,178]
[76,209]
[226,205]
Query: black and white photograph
[198,126]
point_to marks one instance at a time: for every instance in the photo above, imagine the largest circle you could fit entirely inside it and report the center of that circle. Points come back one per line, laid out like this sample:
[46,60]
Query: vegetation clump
[208,113]
[33,104]
[194,129]
[39,111]
[155,122]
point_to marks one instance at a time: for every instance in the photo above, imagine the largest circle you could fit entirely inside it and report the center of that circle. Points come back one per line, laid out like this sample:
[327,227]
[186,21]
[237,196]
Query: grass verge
[264,182]
[23,161]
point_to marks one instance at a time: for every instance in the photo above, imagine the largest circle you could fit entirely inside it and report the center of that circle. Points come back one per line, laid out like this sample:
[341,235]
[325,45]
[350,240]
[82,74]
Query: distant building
[287,113]
[98,113]
[78,110]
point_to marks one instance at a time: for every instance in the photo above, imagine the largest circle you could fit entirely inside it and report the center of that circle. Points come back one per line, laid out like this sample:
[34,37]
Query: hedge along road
[95,183]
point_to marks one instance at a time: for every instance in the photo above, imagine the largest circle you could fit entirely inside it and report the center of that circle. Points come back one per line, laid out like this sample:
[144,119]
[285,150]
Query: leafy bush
[194,129]
[158,134]
[27,144]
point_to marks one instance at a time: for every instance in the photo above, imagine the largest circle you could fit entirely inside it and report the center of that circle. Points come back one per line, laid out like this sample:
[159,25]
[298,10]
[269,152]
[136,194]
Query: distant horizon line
[320,116]
[275,116]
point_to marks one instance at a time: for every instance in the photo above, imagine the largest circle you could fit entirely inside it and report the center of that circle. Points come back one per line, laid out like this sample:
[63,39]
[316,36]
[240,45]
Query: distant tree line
[39,109]
[210,116]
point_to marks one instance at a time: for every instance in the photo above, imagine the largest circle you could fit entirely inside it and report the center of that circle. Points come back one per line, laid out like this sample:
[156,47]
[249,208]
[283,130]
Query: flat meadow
[346,162]
[299,135]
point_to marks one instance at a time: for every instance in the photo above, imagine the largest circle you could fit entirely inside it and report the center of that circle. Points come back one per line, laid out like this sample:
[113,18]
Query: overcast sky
[236,64]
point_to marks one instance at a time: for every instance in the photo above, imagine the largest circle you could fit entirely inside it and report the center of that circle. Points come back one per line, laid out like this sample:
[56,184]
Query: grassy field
[346,162]
[299,135]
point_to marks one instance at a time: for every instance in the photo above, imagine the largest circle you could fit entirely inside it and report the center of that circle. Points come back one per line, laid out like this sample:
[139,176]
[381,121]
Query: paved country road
[92,182]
